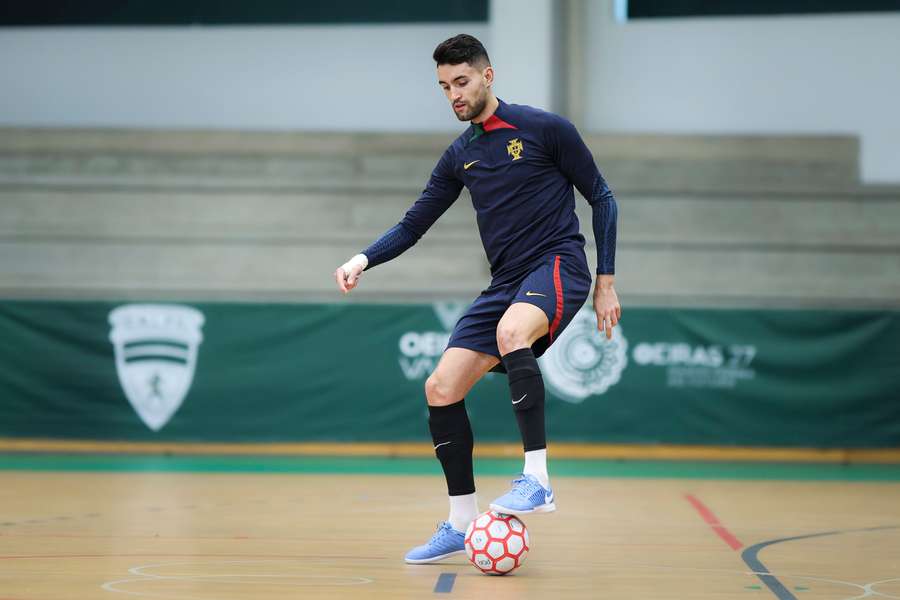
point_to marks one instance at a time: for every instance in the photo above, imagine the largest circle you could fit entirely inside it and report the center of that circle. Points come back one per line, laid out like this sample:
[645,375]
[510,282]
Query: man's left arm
[576,162]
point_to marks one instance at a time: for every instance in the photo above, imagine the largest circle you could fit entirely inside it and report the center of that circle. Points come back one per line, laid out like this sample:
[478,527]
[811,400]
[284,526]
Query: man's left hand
[606,305]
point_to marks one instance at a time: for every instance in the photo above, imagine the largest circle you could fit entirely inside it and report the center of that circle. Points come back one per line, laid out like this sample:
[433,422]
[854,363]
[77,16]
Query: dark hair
[462,48]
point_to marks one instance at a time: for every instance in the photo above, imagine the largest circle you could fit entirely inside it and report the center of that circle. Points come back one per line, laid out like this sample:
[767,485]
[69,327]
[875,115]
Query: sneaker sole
[543,508]
[425,561]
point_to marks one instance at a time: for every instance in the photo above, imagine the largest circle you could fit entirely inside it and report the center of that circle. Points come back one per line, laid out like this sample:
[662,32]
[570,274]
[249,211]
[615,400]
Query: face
[466,87]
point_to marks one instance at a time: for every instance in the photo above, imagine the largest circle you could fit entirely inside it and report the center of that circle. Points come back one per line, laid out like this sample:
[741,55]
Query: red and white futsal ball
[497,544]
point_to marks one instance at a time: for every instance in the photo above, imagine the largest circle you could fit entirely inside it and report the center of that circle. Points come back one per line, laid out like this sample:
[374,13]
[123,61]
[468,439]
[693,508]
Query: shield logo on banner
[582,362]
[156,354]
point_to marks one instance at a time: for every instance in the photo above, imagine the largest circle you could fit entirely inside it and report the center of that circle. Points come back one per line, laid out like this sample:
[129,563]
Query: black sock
[451,433]
[527,388]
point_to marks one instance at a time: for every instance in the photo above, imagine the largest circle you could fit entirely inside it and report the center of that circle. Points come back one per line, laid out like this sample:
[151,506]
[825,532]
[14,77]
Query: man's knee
[438,391]
[510,337]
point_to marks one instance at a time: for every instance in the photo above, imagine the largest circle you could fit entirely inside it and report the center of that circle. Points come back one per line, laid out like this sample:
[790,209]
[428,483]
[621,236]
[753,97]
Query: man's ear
[488,75]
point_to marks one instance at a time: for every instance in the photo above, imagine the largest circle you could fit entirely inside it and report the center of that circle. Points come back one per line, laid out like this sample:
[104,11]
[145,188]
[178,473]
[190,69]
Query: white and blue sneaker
[445,542]
[527,496]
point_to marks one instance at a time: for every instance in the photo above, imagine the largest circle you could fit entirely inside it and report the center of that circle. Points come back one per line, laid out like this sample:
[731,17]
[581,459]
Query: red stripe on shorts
[557,285]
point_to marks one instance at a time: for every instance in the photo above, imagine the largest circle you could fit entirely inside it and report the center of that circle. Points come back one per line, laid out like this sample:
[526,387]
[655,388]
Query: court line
[788,575]
[866,588]
[485,450]
[112,586]
[133,463]
[870,590]
[228,578]
[445,583]
[170,555]
[139,570]
[707,515]
[869,593]
[750,557]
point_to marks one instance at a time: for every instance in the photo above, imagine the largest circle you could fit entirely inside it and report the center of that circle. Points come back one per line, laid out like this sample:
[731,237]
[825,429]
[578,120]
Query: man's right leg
[458,370]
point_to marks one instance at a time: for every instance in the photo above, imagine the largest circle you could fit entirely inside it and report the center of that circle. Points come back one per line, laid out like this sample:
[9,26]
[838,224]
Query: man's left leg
[523,324]
[544,304]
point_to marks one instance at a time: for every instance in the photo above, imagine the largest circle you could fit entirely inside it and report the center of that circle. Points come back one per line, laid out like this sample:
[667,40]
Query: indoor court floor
[205,528]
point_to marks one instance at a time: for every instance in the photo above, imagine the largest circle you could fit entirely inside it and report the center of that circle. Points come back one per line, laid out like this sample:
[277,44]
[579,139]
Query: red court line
[708,516]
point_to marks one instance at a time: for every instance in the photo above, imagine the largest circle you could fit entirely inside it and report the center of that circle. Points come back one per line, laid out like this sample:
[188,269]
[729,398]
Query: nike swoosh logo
[535,294]
[469,164]
[442,444]
[519,400]
[549,497]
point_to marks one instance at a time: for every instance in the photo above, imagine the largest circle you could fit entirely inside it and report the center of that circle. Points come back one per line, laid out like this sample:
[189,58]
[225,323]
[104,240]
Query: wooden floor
[88,534]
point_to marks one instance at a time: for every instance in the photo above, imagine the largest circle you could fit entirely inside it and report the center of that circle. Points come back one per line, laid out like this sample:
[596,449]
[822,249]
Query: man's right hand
[348,274]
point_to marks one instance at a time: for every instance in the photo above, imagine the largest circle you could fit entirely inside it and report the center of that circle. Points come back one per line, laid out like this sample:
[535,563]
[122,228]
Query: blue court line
[445,583]
[751,559]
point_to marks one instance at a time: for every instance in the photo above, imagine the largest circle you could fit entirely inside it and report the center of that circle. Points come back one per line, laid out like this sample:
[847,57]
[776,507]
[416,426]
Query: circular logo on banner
[582,362]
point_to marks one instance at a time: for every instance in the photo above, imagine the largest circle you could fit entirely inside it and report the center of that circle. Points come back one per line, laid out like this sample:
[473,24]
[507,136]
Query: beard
[476,109]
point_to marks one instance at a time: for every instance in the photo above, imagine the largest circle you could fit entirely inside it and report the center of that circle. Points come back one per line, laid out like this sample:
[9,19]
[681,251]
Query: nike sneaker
[526,496]
[445,542]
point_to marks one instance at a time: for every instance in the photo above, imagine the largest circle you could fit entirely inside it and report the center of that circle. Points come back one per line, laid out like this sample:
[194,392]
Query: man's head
[465,74]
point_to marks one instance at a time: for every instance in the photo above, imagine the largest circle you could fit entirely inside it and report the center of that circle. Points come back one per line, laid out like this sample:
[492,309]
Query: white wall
[522,51]
[309,77]
[809,74]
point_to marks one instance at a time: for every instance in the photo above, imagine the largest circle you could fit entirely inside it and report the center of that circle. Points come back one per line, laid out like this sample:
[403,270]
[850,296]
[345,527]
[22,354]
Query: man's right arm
[442,190]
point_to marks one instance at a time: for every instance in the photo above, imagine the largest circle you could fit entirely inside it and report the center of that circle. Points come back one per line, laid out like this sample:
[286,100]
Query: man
[519,164]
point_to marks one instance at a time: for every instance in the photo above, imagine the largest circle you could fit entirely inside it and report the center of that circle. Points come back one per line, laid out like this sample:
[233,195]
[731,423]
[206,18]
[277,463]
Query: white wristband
[360,260]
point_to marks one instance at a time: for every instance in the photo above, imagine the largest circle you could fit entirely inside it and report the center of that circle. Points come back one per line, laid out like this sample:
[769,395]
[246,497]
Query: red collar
[494,122]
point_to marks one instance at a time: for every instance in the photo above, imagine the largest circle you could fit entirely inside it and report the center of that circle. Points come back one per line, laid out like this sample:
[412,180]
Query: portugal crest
[514,148]
[582,362]
[156,355]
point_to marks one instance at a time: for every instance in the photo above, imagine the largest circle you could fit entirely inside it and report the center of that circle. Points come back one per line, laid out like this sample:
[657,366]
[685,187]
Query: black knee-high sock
[527,389]
[453,443]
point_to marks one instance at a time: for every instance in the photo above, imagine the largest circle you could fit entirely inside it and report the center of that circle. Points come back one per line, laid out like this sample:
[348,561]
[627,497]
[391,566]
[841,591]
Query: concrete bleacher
[181,215]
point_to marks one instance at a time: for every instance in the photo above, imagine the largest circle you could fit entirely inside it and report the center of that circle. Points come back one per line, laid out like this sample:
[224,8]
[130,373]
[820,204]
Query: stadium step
[751,221]
[704,221]
[297,161]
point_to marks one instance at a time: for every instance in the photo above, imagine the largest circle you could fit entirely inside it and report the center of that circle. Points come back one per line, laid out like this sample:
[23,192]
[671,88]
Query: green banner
[327,372]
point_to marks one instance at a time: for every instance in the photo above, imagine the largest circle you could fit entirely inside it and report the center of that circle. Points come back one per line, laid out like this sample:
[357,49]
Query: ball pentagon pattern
[497,543]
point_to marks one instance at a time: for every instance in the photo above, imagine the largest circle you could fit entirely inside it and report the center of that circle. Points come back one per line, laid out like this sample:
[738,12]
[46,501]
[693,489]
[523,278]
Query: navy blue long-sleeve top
[519,166]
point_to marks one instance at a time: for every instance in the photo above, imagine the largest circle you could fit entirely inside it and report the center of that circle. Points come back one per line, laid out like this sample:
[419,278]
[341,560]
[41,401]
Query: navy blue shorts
[559,285]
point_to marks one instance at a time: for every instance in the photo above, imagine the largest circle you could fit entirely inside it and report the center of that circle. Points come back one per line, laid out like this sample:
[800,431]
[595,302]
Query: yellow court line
[414,449]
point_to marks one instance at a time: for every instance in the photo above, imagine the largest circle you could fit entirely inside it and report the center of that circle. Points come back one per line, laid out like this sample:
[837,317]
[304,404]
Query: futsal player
[520,165]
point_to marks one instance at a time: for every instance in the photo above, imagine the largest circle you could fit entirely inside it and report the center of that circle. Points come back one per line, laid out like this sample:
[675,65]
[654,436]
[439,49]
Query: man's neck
[489,109]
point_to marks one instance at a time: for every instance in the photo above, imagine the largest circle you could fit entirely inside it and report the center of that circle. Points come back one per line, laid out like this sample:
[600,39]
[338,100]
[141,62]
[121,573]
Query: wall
[306,77]
[522,51]
[810,74]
